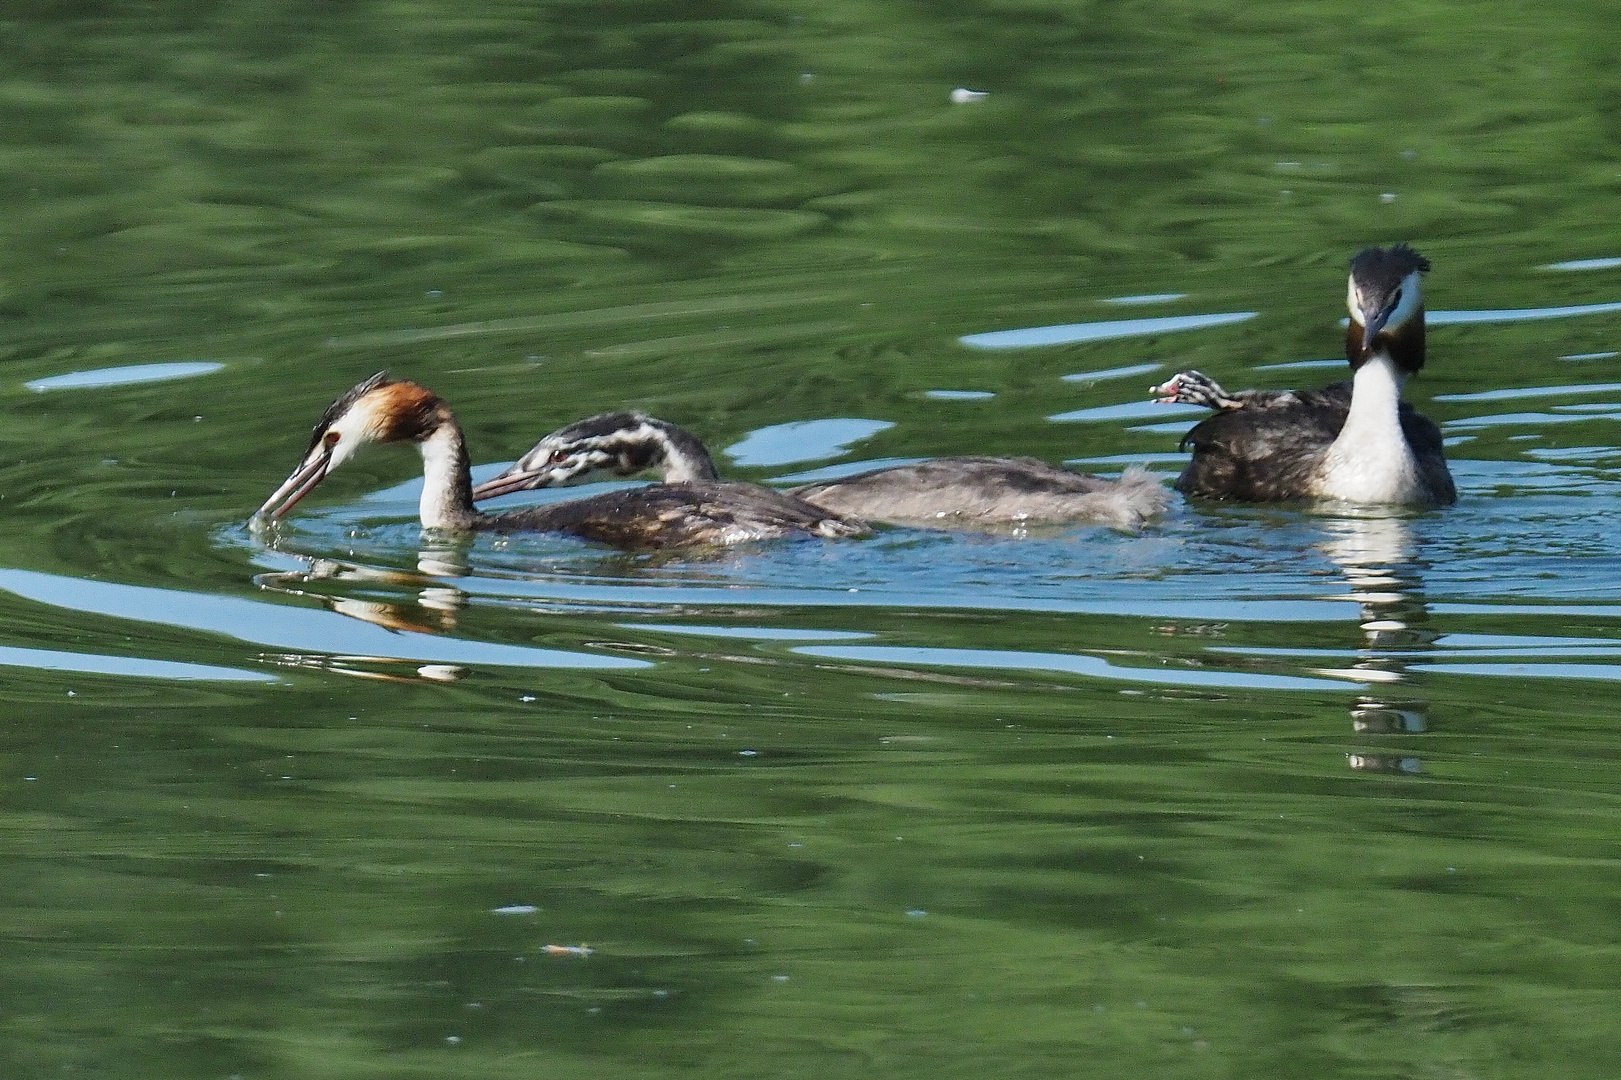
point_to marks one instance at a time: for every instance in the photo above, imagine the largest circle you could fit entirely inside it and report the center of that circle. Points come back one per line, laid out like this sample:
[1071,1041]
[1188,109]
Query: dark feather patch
[1378,274]
[1386,266]
[617,434]
[669,515]
[595,427]
[344,404]
[1267,453]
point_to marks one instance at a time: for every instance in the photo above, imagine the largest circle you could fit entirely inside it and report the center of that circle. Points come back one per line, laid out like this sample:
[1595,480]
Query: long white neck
[1370,461]
[447,495]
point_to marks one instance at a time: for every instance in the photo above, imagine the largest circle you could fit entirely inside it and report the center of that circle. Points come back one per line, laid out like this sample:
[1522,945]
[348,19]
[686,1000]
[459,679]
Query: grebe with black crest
[1354,441]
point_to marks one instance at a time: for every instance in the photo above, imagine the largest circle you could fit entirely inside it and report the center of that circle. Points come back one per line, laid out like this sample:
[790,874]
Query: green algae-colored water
[1255,793]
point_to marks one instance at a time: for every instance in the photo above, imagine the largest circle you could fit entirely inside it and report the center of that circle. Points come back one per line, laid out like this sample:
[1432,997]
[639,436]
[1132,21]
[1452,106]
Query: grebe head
[605,446]
[1386,300]
[378,410]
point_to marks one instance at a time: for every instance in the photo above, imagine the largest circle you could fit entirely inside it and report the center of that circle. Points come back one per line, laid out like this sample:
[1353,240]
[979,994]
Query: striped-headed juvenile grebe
[381,410]
[959,492]
[1354,441]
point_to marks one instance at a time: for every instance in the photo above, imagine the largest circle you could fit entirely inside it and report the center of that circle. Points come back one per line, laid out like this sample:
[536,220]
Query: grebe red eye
[332,438]
[559,456]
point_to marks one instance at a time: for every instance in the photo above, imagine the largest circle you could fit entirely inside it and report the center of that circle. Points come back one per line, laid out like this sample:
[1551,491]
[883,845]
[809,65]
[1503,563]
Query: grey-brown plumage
[660,515]
[1354,441]
[955,492]
[989,492]
[668,515]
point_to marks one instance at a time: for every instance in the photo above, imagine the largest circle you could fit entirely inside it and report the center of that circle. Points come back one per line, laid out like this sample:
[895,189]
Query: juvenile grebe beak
[309,473]
[514,479]
[546,466]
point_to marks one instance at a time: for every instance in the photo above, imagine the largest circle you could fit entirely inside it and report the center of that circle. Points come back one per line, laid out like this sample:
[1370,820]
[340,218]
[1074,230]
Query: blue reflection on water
[1146,298]
[1538,418]
[1099,331]
[1511,393]
[750,633]
[98,664]
[1131,410]
[1453,318]
[1141,598]
[1068,663]
[1112,373]
[1606,263]
[1300,365]
[121,376]
[282,626]
[1610,672]
[803,440]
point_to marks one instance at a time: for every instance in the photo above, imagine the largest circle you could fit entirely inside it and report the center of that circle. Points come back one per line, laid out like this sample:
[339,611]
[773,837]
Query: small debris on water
[962,95]
[515,909]
[567,950]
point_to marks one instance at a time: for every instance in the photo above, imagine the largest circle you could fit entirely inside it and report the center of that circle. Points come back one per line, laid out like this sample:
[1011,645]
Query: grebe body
[1354,441]
[964,492]
[699,511]
[990,492]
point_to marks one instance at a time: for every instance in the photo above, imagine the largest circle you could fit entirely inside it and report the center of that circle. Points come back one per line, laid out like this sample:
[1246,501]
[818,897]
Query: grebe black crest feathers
[1353,441]
[943,492]
[700,511]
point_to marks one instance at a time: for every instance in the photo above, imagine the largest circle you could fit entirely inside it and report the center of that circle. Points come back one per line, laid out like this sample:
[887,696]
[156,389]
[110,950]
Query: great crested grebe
[1354,441]
[952,492]
[381,410]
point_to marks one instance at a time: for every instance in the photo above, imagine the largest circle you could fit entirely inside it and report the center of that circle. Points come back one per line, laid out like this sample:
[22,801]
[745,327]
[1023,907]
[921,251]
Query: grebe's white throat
[1371,461]
[444,469]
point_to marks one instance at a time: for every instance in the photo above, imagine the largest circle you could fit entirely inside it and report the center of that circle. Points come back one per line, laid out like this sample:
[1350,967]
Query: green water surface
[1254,793]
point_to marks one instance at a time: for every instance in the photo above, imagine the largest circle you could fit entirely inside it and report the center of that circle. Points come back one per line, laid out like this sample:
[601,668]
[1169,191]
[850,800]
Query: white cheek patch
[1353,301]
[540,455]
[1412,295]
[354,428]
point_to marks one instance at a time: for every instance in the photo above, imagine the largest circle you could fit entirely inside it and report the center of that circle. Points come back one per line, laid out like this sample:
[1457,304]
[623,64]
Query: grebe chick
[952,492]
[1354,441]
[381,410]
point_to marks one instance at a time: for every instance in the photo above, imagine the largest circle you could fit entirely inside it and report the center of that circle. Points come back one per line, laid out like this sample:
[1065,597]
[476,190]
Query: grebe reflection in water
[1375,552]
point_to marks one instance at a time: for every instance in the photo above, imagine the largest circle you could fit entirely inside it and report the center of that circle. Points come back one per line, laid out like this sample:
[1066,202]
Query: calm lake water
[1255,793]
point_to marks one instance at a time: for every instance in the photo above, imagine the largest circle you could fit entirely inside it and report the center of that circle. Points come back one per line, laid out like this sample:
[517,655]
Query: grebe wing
[1428,449]
[1268,452]
[670,515]
[988,491]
